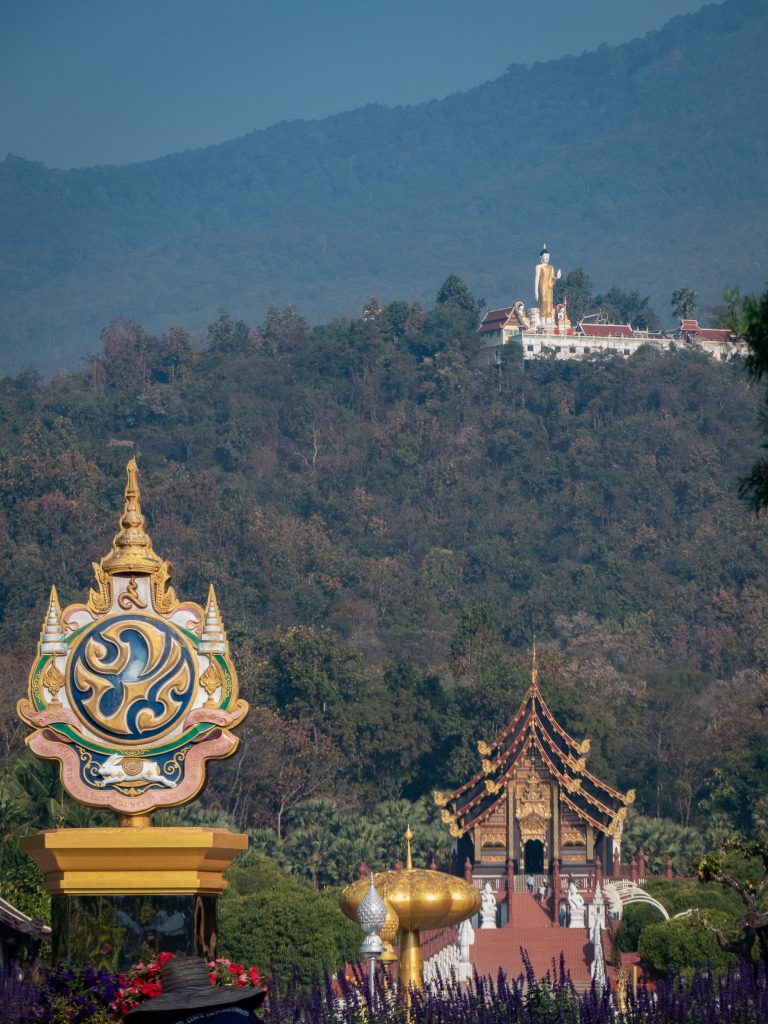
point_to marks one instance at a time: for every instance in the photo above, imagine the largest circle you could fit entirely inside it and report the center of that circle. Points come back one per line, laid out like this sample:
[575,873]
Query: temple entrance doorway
[534,857]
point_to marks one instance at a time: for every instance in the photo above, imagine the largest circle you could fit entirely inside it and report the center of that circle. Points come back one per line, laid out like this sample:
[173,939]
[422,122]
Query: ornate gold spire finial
[408,857]
[534,667]
[132,547]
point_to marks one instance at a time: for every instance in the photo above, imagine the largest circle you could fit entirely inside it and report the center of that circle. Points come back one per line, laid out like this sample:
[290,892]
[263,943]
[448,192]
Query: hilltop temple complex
[545,329]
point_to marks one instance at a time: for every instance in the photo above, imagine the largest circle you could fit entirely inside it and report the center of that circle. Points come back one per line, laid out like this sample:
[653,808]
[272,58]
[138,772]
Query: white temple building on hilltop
[545,330]
[590,339]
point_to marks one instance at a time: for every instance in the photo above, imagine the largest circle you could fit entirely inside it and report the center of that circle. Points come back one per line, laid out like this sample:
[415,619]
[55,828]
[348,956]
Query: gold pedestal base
[411,967]
[114,861]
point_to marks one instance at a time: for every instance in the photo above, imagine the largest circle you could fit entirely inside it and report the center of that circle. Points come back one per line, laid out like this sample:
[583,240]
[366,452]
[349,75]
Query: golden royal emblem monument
[133,691]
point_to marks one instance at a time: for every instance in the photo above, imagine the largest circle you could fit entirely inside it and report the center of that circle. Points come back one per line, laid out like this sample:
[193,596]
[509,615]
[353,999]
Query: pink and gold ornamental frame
[133,691]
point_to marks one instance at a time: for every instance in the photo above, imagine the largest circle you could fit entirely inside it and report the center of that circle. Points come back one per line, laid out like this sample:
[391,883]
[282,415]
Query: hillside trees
[684,303]
[576,289]
[617,306]
[755,322]
[283,763]
[388,526]
[743,868]
[620,307]
[454,292]
[452,183]
[729,314]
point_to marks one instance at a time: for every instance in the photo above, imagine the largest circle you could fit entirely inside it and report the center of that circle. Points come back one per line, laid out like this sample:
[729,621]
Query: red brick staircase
[531,928]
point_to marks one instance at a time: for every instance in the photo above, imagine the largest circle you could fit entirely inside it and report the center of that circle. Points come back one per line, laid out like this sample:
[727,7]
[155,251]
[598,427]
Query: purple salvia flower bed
[738,997]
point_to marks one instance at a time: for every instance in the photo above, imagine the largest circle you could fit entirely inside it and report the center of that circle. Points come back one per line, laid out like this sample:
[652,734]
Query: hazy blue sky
[113,81]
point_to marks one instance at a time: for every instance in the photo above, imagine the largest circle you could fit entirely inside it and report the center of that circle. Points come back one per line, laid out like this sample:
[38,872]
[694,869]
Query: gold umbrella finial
[132,546]
[408,857]
[421,898]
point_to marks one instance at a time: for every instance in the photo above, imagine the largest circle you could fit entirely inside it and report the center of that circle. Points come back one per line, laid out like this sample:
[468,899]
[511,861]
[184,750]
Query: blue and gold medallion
[133,691]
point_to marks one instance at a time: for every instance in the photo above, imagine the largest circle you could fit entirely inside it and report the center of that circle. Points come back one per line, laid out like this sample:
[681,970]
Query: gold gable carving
[617,822]
[164,596]
[100,600]
[533,807]
[572,837]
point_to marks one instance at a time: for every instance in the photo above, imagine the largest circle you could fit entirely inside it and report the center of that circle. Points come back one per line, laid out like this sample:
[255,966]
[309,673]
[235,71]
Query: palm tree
[264,841]
[430,836]
[684,303]
[310,853]
[49,806]
[313,813]
[661,838]
[357,839]
[197,814]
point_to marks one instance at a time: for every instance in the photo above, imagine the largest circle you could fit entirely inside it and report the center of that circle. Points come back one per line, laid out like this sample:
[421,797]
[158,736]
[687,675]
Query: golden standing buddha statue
[544,285]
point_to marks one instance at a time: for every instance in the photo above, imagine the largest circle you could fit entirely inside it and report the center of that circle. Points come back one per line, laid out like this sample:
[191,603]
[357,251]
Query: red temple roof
[606,330]
[495,319]
[691,327]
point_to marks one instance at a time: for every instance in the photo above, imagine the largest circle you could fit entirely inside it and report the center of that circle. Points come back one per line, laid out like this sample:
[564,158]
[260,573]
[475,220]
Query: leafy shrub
[286,927]
[673,947]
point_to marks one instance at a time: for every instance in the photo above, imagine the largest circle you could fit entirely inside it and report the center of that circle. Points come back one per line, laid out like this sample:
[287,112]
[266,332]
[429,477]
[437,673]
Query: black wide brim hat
[187,990]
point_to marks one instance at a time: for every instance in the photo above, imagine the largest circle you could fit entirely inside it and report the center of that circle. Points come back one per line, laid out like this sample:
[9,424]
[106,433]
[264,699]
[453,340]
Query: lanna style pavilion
[535,810]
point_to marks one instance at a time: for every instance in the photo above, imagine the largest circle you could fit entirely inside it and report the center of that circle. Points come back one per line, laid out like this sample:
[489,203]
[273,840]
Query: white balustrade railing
[498,882]
[453,960]
[443,965]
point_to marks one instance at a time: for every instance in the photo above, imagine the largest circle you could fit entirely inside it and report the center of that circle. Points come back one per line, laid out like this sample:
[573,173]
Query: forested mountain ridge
[647,158]
[388,527]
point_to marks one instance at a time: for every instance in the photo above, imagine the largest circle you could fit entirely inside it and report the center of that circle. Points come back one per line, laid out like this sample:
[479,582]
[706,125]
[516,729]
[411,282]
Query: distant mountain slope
[645,163]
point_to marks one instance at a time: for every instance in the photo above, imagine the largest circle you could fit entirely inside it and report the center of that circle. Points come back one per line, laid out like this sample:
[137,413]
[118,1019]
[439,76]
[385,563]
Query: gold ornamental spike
[534,667]
[408,857]
[132,546]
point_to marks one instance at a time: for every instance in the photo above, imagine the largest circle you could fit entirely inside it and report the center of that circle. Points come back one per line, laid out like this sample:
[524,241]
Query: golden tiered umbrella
[421,898]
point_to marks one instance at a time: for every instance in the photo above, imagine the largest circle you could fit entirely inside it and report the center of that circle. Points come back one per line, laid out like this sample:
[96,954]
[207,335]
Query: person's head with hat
[188,995]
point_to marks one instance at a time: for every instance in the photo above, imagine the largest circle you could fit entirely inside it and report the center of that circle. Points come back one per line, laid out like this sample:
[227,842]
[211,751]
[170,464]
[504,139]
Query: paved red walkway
[531,928]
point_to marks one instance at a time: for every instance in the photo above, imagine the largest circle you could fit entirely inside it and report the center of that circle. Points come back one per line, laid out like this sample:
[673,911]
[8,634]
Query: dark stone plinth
[116,932]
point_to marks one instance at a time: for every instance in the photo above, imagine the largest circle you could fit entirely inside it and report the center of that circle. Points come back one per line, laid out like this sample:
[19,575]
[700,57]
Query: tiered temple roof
[495,319]
[534,729]
[690,329]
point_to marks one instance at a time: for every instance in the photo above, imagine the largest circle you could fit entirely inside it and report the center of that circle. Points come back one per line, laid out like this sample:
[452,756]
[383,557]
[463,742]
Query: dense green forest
[647,157]
[388,527]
